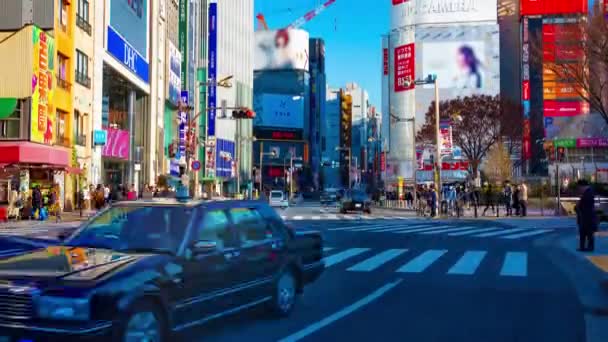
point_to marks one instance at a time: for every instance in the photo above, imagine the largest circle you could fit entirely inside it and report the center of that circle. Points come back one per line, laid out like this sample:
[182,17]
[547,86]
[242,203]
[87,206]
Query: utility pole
[261,167]
[438,139]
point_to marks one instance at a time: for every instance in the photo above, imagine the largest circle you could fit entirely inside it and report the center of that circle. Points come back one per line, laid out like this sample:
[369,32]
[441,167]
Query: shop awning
[25,152]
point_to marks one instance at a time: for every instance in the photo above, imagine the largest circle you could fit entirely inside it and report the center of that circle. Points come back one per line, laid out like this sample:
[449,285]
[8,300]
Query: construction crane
[300,21]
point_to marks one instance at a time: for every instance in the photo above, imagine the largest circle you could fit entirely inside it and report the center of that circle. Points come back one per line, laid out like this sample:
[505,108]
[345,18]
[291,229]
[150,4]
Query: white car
[278,199]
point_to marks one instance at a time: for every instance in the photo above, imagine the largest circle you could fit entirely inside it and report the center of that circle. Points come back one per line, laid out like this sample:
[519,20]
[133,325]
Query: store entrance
[114,173]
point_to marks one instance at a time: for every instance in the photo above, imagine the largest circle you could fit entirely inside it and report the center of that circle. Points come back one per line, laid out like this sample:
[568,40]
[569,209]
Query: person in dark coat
[36,199]
[586,217]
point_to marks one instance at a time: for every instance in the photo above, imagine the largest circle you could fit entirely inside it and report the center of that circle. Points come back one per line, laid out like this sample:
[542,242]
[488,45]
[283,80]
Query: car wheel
[143,322]
[284,294]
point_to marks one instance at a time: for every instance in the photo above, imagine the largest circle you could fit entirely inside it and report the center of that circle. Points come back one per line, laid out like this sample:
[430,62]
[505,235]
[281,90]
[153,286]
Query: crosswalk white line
[422,262]
[347,254]
[298,218]
[448,230]
[284,217]
[381,228]
[474,231]
[409,231]
[316,217]
[327,249]
[400,227]
[468,263]
[377,260]
[526,234]
[500,232]
[361,226]
[515,264]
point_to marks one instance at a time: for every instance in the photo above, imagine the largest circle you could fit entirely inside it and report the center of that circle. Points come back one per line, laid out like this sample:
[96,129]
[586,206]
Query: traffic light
[431,78]
[243,113]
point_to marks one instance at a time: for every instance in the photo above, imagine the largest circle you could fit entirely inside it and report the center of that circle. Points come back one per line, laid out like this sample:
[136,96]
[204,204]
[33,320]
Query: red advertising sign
[564,108]
[591,142]
[404,67]
[549,7]
[382,161]
[525,87]
[449,166]
[385,61]
[399,2]
[548,33]
[569,52]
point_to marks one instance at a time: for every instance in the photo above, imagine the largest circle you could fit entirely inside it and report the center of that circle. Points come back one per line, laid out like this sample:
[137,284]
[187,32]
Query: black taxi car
[141,271]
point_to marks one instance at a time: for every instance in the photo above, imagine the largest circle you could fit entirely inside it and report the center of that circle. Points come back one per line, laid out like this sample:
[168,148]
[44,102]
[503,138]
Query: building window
[63,15]
[82,69]
[60,136]
[10,126]
[79,136]
[62,72]
[82,16]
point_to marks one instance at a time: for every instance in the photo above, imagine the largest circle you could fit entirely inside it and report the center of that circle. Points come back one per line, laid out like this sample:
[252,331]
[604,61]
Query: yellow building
[37,73]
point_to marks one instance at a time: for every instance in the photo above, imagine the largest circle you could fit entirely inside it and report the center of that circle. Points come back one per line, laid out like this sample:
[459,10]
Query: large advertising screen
[127,36]
[43,86]
[281,111]
[466,60]
[281,50]
[175,71]
[130,19]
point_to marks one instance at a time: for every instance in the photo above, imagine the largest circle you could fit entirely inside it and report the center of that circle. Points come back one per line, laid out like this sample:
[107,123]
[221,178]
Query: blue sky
[352,30]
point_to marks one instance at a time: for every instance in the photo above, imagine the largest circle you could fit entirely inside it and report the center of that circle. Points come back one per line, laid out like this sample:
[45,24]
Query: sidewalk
[598,258]
[68,219]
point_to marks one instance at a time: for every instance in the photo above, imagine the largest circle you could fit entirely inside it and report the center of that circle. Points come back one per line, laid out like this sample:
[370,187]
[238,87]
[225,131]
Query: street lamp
[349,160]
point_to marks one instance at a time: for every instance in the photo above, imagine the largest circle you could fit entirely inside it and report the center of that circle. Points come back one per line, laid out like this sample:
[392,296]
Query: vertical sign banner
[212,67]
[525,97]
[43,81]
[446,138]
[385,61]
[404,67]
[183,40]
[420,157]
[183,123]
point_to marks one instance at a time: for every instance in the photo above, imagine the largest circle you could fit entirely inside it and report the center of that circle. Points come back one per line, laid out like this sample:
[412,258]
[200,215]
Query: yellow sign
[43,88]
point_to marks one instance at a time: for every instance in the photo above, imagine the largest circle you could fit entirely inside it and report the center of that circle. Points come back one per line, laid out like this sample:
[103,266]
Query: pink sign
[591,142]
[404,67]
[117,145]
[564,108]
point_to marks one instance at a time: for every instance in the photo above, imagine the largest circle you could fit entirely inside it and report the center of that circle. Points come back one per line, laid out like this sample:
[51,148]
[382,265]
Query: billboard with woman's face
[281,50]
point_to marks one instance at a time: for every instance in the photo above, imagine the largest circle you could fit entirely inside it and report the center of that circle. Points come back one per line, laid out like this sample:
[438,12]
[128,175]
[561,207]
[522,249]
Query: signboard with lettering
[43,87]
[118,144]
[404,67]
[407,12]
[212,68]
[270,134]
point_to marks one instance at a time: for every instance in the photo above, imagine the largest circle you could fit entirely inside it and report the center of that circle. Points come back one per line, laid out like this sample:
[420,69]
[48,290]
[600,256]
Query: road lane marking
[468,263]
[408,231]
[526,234]
[327,249]
[473,231]
[341,314]
[316,217]
[422,262]
[377,260]
[447,230]
[364,226]
[400,228]
[298,218]
[515,264]
[339,257]
[500,232]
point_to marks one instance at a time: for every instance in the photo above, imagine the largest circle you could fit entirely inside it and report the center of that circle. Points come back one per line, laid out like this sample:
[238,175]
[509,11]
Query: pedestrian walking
[489,198]
[508,198]
[586,217]
[516,196]
[36,201]
[523,199]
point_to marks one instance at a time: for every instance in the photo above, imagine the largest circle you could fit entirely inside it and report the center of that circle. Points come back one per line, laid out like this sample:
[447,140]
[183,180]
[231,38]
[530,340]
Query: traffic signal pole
[557,183]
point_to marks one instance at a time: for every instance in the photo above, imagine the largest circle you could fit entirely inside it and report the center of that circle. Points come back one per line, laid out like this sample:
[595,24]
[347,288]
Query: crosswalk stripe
[327,249]
[363,226]
[468,263]
[377,260]
[316,217]
[339,257]
[382,227]
[284,217]
[420,230]
[515,264]
[500,232]
[527,234]
[422,262]
[473,231]
[446,230]
[400,228]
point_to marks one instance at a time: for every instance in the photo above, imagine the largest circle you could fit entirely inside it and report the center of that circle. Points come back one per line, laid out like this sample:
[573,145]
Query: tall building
[318,86]
[330,140]
[37,96]
[359,126]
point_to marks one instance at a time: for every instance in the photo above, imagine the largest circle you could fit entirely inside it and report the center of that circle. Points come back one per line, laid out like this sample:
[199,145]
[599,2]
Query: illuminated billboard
[43,88]
[281,50]
[553,7]
[411,12]
[277,110]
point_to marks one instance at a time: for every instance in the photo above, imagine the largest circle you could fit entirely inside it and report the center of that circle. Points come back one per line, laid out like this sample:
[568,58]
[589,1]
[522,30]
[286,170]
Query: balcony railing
[83,24]
[81,140]
[63,83]
[83,79]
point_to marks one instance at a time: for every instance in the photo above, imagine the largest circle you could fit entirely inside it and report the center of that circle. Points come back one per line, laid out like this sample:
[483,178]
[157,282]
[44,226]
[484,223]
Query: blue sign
[100,137]
[526,109]
[174,168]
[130,18]
[127,55]
[183,120]
[185,97]
[196,165]
[211,90]
[224,157]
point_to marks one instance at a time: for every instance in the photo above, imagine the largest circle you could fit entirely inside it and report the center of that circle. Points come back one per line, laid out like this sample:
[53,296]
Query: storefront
[225,167]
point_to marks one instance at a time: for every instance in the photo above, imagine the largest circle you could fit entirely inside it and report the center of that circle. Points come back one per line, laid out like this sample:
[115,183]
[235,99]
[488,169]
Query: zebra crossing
[406,261]
[430,228]
[341,217]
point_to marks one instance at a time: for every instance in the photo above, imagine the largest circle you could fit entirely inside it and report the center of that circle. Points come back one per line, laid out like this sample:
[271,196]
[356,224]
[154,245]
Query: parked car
[278,199]
[355,200]
[149,269]
[329,196]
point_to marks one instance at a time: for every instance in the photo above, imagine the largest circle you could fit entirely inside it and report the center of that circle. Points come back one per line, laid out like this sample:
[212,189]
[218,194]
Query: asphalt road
[394,278]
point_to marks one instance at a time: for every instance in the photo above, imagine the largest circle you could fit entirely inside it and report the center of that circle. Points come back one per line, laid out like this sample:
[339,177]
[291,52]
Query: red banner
[383,161]
[549,7]
[404,67]
[525,87]
[564,108]
[527,153]
[385,61]
[398,2]
[449,166]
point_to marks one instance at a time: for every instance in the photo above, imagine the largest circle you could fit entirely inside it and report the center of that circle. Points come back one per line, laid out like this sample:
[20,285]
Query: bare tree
[475,125]
[588,74]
